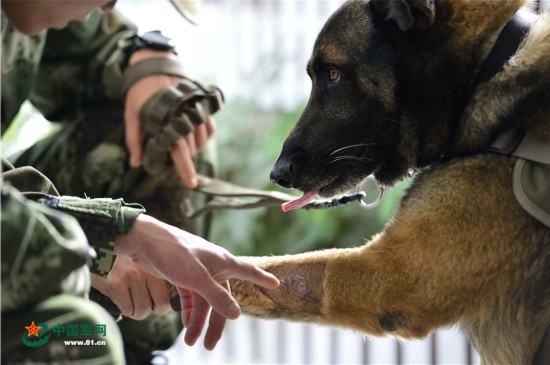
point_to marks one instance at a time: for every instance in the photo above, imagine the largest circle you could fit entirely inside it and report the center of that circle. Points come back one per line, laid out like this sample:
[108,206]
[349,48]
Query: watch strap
[154,40]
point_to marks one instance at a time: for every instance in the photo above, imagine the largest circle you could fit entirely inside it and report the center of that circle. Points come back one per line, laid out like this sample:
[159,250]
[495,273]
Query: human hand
[135,293]
[186,147]
[197,268]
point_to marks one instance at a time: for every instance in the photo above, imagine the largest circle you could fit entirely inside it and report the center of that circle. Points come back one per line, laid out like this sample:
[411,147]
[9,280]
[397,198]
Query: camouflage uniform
[45,274]
[63,74]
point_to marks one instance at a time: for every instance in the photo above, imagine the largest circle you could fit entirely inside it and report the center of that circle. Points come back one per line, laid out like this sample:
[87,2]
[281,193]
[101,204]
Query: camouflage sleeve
[44,252]
[82,65]
[102,220]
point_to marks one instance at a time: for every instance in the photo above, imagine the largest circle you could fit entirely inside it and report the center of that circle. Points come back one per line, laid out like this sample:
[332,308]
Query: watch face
[157,41]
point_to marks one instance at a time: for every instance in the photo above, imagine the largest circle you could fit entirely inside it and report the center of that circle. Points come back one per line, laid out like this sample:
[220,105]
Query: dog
[397,87]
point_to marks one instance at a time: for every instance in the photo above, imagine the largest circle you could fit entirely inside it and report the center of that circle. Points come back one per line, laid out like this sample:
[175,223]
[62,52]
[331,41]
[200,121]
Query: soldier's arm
[101,219]
[92,61]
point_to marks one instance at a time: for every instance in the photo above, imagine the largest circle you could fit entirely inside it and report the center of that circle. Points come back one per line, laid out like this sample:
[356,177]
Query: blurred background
[256,51]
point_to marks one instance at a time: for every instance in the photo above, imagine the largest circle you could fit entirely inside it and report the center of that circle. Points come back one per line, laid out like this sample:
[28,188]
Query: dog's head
[389,80]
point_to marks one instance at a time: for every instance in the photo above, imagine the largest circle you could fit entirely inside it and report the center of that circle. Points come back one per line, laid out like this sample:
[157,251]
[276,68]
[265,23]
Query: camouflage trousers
[62,329]
[88,157]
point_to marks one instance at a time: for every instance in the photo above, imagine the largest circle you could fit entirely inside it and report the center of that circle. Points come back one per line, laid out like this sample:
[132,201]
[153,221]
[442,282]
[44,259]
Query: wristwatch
[154,40]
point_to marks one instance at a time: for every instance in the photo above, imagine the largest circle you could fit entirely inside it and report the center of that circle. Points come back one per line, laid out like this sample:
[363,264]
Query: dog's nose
[281,174]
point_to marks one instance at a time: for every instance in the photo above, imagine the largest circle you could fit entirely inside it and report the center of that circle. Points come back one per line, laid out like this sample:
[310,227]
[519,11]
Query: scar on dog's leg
[299,297]
[296,285]
[301,287]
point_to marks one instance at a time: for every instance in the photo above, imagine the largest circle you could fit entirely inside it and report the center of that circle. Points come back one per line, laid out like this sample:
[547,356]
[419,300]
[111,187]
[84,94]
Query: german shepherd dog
[393,89]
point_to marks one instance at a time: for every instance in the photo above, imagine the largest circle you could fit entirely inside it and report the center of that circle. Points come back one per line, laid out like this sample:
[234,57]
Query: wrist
[145,232]
[131,242]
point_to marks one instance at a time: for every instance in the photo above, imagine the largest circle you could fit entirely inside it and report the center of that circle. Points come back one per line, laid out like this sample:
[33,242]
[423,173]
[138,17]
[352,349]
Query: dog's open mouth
[308,199]
[330,189]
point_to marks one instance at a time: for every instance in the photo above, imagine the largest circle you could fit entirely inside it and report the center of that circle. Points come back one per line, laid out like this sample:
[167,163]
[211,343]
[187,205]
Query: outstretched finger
[246,271]
[219,298]
[186,301]
[197,319]
[216,324]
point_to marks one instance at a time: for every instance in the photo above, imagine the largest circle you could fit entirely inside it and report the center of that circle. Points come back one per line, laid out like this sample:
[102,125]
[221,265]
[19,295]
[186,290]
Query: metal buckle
[377,201]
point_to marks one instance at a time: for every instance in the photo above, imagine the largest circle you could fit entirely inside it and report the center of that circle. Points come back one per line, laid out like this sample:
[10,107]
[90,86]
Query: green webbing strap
[158,108]
[230,196]
[148,67]
[171,114]
[226,195]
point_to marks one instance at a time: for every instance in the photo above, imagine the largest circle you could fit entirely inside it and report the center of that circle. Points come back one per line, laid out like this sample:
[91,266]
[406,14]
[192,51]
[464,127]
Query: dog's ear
[408,14]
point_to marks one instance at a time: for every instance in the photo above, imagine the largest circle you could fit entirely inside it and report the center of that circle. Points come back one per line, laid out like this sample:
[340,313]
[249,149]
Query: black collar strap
[506,45]
[513,141]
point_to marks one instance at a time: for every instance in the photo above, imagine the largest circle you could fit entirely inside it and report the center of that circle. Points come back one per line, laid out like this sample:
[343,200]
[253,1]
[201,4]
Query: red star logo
[33,329]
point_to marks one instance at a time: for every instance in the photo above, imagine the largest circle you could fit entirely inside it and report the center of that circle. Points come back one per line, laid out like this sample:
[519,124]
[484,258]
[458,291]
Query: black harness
[505,47]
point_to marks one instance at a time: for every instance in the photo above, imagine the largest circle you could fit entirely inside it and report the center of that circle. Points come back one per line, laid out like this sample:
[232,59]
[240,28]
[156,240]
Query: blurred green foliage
[249,141]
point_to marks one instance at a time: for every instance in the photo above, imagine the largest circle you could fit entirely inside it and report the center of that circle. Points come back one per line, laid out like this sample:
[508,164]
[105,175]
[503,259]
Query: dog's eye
[333,75]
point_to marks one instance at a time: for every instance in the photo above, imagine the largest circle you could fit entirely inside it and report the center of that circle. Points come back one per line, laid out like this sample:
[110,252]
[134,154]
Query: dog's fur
[460,249]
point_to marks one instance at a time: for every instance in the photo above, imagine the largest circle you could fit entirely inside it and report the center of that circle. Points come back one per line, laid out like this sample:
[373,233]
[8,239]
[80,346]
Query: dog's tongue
[300,202]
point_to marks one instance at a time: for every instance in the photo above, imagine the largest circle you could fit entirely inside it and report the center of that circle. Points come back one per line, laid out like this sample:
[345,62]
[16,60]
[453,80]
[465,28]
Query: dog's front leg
[367,289]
